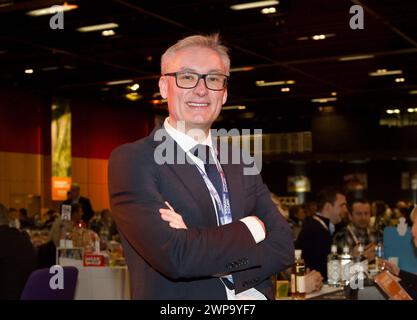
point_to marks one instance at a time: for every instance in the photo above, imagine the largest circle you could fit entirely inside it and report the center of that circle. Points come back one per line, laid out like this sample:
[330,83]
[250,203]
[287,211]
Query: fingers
[169,206]
[170,216]
[174,219]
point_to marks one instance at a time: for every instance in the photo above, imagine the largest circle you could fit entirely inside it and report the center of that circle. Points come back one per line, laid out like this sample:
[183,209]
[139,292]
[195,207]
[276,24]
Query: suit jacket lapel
[189,175]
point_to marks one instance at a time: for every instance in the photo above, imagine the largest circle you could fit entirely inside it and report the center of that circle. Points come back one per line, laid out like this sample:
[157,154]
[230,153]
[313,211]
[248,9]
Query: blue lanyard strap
[224,214]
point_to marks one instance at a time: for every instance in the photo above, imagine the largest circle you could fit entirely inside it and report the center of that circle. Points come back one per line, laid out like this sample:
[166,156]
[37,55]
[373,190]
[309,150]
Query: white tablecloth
[100,283]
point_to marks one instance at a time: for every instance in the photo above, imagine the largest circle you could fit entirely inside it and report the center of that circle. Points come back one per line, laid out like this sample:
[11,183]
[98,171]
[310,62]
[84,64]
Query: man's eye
[187,77]
[214,79]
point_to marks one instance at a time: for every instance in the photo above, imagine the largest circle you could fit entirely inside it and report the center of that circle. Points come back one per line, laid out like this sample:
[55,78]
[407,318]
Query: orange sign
[60,188]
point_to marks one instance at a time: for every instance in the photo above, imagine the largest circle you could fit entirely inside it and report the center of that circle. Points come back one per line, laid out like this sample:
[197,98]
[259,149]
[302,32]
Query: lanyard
[315,217]
[355,239]
[223,206]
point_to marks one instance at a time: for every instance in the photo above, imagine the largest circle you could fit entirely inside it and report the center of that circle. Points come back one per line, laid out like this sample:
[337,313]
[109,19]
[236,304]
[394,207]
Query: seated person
[357,231]
[75,229]
[408,279]
[17,258]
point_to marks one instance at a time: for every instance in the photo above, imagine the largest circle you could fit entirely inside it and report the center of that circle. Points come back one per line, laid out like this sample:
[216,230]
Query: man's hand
[174,219]
[391,267]
[369,252]
[313,280]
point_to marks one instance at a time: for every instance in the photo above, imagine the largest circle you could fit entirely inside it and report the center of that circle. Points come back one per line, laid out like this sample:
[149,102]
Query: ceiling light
[286,89]
[326,109]
[6,3]
[98,27]
[384,72]
[241,69]
[234,108]
[323,100]
[333,94]
[358,57]
[108,33]
[251,5]
[318,37]
[133,96]
[50,68]
[412,109]
[113,83]
[412,92]
[29,71]
[134,87]
[392,111]
[399,79]
[268,10]
[262,83]
[51,10]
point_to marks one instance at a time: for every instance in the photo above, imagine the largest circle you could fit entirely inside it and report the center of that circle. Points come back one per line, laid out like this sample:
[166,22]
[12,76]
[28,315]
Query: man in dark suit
[315,237]
[17,258]
[74,196]
[192,227]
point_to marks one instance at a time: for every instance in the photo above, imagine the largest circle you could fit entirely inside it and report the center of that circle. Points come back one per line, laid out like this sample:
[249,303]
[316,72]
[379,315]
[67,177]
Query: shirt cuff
[255,228]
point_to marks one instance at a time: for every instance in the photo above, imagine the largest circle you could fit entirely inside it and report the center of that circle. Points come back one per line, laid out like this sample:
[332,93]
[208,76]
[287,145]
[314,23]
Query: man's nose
[201,88]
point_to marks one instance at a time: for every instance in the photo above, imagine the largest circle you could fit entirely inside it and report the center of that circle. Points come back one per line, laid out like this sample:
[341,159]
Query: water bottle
[379,256]
[333,268]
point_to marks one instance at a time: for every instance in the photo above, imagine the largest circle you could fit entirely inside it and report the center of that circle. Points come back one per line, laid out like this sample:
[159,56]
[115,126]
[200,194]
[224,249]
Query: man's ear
[163,87]
[225,96]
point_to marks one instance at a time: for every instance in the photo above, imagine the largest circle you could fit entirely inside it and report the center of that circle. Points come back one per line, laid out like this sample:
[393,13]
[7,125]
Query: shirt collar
[185,142]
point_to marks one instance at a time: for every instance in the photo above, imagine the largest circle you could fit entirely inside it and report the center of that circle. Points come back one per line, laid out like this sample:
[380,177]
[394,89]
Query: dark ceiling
[69,63]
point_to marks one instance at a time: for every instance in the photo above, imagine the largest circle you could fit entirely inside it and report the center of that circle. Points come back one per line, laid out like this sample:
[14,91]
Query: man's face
[338,209]
[361,215]
[197,107]
[75,192]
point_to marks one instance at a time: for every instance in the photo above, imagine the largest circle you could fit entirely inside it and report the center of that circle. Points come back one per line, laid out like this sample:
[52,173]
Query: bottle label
[301,284]
[333,271]
[345,270]
[292,283]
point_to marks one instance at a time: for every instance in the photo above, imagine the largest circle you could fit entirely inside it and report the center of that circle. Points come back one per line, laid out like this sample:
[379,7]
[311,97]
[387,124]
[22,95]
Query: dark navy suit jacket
[167,263]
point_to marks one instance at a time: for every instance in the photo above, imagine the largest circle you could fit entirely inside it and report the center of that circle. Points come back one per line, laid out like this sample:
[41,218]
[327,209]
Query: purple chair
[37,286]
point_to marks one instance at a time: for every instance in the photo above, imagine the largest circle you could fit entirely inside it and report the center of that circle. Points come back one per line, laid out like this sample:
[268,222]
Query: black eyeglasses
[189,80]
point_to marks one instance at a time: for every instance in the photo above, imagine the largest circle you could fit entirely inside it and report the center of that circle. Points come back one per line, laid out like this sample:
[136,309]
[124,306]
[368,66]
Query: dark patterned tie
[203,153]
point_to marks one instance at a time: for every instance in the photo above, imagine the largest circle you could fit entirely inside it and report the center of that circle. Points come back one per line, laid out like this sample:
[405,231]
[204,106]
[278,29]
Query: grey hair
[209,41]
[4,219]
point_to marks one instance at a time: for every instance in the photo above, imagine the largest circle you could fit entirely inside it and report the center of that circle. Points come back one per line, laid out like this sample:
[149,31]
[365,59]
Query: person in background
[380,218]
[296,217]
[407,279]
[25,221]
[51,216]
[13,216]
[105,227]
[357,231]
[17,258]
[74,196]
[59,226]
[315,238]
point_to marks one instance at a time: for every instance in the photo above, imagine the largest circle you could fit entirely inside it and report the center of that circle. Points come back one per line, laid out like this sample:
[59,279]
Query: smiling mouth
[197,105]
